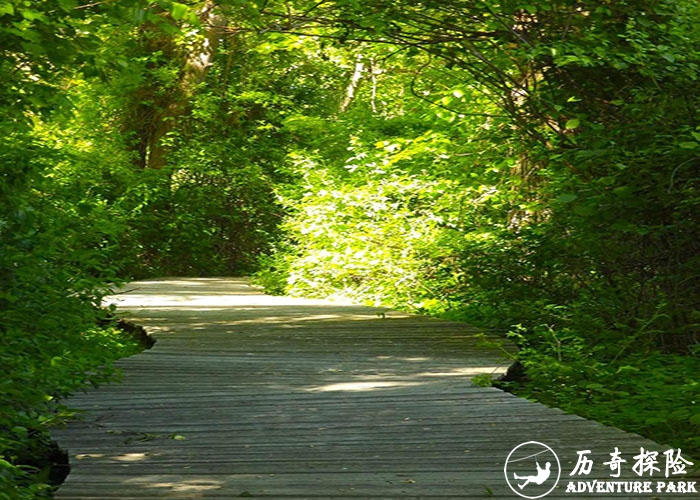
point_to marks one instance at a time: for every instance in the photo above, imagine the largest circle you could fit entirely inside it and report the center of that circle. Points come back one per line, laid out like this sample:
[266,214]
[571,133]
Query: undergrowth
[43,370]
[655,395]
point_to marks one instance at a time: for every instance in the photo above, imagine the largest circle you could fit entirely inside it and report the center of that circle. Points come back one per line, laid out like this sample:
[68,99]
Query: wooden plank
[250,395]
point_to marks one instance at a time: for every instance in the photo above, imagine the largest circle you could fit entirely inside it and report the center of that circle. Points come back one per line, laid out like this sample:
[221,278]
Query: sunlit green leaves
[179,11]
[572,124]
[7,7]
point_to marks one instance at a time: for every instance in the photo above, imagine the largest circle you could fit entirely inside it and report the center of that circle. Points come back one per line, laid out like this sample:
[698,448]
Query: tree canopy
[527,166]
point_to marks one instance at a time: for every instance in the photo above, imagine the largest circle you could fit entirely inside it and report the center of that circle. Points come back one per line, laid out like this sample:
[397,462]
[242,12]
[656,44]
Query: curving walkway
[248,395]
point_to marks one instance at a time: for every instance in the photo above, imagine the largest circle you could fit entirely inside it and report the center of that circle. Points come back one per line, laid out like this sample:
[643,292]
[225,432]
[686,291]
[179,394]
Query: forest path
[248,395]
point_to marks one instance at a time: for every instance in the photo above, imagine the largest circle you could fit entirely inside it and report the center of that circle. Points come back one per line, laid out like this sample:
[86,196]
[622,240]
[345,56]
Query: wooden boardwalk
[247,395]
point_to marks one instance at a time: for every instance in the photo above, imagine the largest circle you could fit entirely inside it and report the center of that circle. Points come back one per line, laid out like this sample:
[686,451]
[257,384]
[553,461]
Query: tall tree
[177,43]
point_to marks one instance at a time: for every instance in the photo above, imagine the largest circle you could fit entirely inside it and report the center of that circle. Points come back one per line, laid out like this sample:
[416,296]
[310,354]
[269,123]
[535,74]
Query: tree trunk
[354,84]
[159,111]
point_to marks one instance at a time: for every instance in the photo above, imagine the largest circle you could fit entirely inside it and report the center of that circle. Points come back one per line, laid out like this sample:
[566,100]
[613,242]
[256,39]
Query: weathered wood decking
[247,395]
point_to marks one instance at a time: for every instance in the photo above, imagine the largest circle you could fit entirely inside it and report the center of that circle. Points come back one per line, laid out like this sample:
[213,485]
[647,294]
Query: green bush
[651,394]
[52,277]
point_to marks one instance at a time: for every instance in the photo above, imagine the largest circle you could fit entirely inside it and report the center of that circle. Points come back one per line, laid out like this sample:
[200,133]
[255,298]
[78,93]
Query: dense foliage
[551,191]
[54,338]
[530,167]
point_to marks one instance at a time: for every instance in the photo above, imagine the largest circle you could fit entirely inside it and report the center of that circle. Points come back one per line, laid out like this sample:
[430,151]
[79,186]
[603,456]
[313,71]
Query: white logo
[531,468]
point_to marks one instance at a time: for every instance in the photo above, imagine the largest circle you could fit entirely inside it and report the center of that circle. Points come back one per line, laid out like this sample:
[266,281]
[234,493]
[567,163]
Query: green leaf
[607,180]
[84,208]
[689,145]
[623,191]
[628,369]
[19,430]
[566,198]
[572,124]
[139,16]
[585,210]
[695,419]
[43,475]
[669,57]
[179,11]
[31,14]
[68,5]
[7,8]
[655,420]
